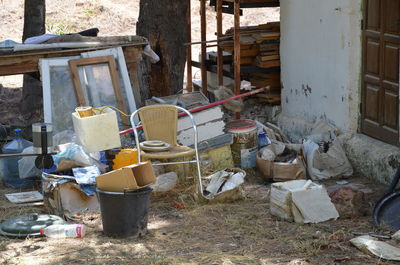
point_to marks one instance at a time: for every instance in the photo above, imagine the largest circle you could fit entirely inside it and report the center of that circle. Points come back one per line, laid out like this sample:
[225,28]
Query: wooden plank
[251,1]
[117,90]
[189,81]
[268,64]
[265,82]
[229,47]
[247,40]
[236,38]
[134,78]
[271,26]
[247,60]
[268,58]
[249,52]
[220,58]
[80,97]
[27,62]
[251,69]
[132,57]
[203,34]
[269,53]
[260,37]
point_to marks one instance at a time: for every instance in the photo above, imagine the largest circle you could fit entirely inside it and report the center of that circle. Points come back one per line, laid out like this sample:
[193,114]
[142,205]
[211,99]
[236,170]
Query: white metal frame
[44,66]
[197,161]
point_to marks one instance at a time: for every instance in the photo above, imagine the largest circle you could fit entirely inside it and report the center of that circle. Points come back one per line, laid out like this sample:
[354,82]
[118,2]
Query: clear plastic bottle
[63,231]
[10,165]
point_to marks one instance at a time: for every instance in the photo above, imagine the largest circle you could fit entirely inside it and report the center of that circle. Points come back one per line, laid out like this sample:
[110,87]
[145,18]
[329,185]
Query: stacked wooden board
[259,47]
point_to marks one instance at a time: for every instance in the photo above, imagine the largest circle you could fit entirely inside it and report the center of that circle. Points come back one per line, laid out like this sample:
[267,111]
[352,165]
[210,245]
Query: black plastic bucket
[124,214]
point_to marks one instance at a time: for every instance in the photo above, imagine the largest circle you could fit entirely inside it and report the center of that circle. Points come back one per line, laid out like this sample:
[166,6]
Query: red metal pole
[208,106]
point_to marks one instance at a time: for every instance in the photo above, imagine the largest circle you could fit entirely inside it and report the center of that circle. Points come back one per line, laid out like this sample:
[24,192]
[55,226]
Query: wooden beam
[203,23]
[27,61]
[236,60]
[252,1]
[189,81]
[220,59]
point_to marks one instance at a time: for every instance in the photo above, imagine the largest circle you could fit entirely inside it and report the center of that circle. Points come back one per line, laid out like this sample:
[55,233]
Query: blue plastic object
[263,140]
[10,165]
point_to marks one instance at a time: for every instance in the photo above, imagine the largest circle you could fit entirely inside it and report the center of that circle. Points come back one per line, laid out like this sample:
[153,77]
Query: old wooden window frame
[118,54]
[112,66]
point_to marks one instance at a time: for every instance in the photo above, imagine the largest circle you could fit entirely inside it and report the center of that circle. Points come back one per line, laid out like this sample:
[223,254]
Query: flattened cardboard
[127,178]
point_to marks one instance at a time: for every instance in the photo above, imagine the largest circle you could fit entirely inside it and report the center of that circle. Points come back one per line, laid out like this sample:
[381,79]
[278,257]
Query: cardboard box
[127,178]
[281,171]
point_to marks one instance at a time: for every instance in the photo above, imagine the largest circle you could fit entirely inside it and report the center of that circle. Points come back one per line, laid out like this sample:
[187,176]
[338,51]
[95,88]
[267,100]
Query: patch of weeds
[58,28]
[89,12]
[310,245]
[155,259]
[3,244]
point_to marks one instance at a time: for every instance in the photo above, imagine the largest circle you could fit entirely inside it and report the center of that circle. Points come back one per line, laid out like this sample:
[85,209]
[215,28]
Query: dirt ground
[242,232]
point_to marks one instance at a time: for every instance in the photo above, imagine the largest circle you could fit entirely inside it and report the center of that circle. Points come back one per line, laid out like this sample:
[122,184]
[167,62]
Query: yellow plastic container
[125,158]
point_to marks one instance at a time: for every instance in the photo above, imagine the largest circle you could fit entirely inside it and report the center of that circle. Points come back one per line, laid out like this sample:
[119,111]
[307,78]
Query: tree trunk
[163,23]
[34,25]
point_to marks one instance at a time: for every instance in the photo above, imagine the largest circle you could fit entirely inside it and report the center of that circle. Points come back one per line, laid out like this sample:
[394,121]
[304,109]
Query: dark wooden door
[380,97]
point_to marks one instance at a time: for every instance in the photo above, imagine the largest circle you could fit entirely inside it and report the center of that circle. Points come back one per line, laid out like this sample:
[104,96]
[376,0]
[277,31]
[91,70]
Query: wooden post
[189,83]
[203,46]
[220,58]
[236,40]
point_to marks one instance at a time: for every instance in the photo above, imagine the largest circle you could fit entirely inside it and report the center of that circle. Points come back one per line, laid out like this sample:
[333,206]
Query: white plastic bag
[73,156]
[64,137]
[165,182]
[333,163]
[378,248]
[223,182]
[26,165]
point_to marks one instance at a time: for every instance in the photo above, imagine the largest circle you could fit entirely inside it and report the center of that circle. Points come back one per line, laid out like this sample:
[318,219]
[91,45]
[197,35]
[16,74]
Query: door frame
[363,68]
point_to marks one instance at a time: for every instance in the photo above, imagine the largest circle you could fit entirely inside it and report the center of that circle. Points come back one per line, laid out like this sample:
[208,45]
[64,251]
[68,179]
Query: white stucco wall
[321,61]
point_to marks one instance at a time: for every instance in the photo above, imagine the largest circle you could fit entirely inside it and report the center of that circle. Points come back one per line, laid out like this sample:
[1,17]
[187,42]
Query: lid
[17,131]
[28,225]
[240,125]
[262,134]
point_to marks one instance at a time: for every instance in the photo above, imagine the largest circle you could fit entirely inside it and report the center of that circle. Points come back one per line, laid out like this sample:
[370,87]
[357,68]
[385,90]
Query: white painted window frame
[44,67]
[46,64]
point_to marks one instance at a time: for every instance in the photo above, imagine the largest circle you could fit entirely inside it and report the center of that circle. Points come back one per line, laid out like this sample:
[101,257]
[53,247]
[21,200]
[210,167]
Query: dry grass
[241,232]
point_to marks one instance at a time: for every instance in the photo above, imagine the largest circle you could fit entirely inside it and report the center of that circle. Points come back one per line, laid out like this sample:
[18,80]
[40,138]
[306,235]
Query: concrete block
[372,158]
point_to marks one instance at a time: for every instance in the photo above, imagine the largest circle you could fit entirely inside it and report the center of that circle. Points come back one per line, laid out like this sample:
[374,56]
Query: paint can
[244,147]
[85,111]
